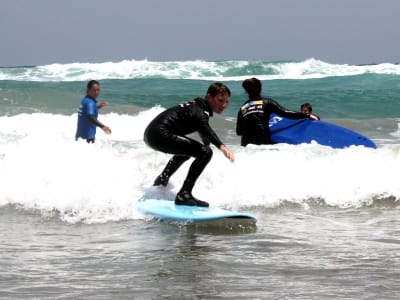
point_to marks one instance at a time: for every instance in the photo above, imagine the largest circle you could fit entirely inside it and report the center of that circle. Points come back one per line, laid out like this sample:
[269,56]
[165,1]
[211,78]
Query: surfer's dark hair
[253,87]
[92,83]
[306,105]
[218,88]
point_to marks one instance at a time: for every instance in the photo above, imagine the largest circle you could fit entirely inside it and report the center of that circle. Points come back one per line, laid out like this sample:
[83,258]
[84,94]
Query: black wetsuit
[253,120]
[167,133]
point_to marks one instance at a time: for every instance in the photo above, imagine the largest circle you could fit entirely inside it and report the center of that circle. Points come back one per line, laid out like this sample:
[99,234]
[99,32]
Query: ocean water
[328,219]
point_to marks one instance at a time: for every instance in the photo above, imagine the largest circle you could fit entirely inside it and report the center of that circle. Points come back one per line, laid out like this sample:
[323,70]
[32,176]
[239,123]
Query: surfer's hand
[313,117]
[228,153]
[102,104]
[106,129]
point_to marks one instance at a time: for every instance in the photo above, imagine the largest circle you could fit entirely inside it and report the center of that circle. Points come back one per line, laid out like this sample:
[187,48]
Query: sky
[44,32]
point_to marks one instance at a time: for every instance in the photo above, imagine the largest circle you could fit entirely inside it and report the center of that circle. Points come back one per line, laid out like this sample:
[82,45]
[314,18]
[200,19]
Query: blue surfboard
[167,210]
[305,130]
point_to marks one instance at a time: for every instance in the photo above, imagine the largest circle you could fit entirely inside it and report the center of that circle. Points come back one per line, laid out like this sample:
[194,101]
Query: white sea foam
[397,132]
[43,168]
[197,70]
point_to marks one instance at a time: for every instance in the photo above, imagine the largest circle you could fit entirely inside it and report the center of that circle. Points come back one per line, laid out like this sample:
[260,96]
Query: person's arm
[91,113]
[283,112]
[314,117]
[228,153]
[207,132]
[94,120]
[102,104]
[217,142]
[205,139]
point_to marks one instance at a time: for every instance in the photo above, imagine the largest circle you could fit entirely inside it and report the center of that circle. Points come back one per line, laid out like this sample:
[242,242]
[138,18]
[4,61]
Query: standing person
[88,113]
[253,117]
[167,133]
[306,108]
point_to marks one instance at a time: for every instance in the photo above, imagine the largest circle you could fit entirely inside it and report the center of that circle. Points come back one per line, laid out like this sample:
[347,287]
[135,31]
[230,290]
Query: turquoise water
[336,91]
[363,98]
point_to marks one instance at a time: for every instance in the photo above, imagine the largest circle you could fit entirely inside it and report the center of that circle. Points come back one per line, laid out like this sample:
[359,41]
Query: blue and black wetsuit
[253,120]
[167,133]
[87,119]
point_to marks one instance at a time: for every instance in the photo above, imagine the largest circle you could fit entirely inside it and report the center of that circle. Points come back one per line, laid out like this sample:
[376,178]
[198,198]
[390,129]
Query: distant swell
[234,70]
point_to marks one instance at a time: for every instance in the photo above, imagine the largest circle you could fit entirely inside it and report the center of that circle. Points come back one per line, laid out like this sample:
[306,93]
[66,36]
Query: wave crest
[233,70]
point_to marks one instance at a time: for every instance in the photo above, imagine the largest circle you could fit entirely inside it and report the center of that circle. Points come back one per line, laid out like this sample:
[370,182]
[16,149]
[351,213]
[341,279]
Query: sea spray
[43,168]
[229,70]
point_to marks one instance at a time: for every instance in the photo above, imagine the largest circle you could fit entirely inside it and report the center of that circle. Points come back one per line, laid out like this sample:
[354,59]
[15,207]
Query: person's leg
[168,143]
[173,164]
[183,147]
[184,196]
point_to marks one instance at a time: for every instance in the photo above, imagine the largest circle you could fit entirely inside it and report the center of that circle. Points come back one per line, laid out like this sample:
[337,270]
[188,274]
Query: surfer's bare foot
[186,198]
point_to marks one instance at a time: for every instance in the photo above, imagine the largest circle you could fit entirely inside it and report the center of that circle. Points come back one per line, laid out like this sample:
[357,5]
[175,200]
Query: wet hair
[253,87]
[218,88]
[92,83]
[306,105]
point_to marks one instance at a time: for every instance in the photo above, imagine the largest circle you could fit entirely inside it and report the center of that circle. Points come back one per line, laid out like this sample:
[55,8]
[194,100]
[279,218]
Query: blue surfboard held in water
[167,210]
[295,132]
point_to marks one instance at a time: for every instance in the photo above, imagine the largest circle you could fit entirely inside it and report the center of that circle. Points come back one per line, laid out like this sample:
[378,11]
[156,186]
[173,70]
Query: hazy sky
[37,32]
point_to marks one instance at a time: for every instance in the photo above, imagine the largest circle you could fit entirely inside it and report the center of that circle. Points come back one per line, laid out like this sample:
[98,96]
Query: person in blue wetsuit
[253,117]
[89,112]
[167,133]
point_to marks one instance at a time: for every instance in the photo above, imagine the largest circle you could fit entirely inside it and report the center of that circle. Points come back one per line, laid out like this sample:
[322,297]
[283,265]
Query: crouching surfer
[167,133]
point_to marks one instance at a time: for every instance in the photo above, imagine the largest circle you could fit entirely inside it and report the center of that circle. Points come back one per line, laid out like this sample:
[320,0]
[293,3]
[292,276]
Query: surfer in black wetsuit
[253,117]
[167,133]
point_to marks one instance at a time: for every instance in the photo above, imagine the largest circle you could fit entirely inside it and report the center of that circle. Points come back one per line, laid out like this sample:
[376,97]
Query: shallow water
[295,253]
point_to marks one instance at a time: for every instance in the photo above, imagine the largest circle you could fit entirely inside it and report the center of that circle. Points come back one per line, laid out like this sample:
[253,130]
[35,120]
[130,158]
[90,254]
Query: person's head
[93,89]
[306,108]
[217,97]
[253,87]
